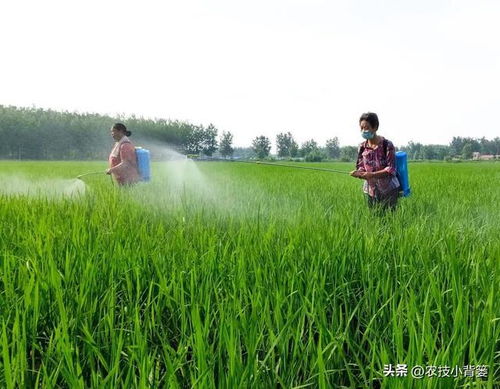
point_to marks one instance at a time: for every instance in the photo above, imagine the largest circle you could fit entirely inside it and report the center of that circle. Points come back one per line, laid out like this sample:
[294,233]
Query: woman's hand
[356,173]
[363,175]
[108,171]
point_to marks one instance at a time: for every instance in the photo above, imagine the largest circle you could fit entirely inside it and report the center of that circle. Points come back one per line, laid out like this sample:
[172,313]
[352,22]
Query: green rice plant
[238,275]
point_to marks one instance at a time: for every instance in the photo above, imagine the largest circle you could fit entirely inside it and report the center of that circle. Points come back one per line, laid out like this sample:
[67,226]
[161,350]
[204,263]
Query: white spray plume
[57,187]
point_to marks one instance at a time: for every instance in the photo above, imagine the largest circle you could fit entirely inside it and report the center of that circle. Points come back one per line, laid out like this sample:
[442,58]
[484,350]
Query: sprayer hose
[298,167]
[91,173]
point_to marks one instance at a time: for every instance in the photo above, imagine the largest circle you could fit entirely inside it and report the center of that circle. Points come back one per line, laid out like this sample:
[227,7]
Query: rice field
[235,275]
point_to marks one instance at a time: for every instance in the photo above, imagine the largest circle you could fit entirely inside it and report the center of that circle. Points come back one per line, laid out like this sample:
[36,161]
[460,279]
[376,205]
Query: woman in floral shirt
[122,160]
[376,165]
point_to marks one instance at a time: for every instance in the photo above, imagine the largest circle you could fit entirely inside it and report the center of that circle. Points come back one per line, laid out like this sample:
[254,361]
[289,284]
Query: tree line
[459,148]
[35,133]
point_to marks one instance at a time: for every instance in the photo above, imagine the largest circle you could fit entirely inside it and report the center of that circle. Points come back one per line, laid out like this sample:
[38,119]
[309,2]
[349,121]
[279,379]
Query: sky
[430,69]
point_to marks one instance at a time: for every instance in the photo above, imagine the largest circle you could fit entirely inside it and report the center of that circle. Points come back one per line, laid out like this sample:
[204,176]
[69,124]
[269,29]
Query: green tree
[261,145]
[35,133]
[333,148]
[442,152]
[495,146]
[467,151]
[429,152]
[244,152]
[457,144]
[194,141]
[309,147]
[315,156]
[348,153]
[209,140]
[294,150]
[286,145]
[414,150]
[226,144]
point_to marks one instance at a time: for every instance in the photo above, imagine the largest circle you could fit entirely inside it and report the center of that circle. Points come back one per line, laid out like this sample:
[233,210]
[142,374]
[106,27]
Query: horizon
[249,146]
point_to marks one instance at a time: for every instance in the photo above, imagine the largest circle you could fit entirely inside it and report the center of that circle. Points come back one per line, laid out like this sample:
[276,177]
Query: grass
[235,275]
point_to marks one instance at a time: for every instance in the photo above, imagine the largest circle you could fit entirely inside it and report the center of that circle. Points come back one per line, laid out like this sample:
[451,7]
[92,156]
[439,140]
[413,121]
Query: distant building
[476,156]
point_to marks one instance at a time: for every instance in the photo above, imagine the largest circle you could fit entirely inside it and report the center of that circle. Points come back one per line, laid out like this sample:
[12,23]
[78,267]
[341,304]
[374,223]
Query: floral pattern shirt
[373,159]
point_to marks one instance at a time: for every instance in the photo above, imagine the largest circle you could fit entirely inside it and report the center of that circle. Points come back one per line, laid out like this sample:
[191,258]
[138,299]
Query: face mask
[367,134]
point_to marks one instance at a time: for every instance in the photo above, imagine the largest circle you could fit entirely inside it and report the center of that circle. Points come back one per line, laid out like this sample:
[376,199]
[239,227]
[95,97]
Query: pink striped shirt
[123,162]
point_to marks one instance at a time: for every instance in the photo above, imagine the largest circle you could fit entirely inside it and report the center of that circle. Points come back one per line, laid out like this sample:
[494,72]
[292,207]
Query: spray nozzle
[88,174]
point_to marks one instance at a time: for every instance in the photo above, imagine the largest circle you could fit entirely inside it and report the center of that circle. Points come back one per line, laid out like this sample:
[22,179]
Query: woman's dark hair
[370,117]
[121,127]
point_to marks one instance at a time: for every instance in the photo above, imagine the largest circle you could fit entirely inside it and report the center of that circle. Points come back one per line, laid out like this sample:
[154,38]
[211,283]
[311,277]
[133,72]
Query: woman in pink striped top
[122,160]
[376,164]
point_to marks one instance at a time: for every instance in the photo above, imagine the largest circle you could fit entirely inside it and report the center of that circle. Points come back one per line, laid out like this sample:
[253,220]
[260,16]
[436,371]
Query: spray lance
[298,167]
[89,174]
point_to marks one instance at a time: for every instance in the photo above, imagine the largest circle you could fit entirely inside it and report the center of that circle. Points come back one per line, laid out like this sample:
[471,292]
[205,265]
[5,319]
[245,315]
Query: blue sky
[430,69]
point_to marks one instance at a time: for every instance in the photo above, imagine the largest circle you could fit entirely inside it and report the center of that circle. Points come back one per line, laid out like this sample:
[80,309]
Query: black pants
[384,202]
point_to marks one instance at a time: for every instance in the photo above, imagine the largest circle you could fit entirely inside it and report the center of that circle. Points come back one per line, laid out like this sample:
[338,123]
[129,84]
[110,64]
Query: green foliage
[201,140]
[253,277]
[209,144]
[226,144]
[333,148]
[34,133]
[286,145]
[467,151]
[261,145]
[457,144]
[308,147]
[315,156]
[413,150]
[244,152]
[482,145]
[348,154]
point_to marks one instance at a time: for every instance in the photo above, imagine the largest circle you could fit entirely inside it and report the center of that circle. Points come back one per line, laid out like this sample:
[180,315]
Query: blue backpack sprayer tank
[402,173]
[401,170]
[143,163]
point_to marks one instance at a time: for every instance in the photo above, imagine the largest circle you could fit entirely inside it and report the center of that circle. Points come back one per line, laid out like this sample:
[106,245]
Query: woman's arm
[372,175]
